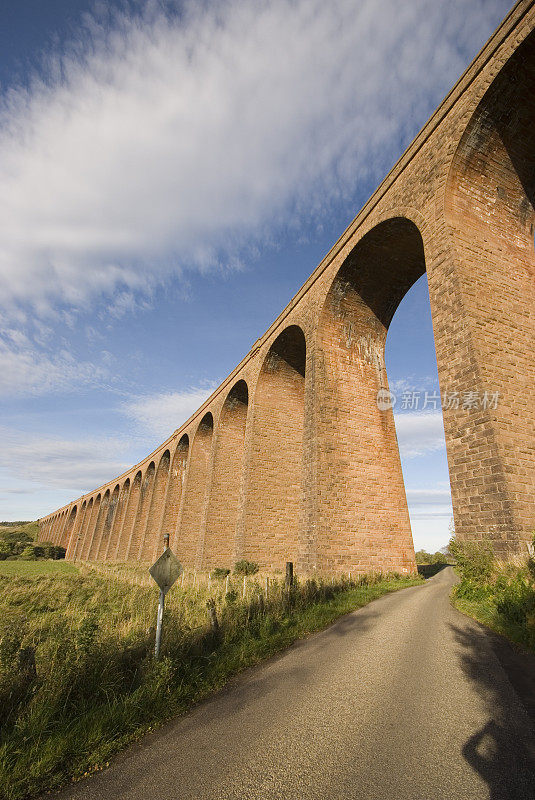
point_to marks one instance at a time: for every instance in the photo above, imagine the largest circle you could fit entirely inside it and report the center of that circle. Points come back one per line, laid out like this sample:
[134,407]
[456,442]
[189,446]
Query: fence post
[288,583]
[212,615]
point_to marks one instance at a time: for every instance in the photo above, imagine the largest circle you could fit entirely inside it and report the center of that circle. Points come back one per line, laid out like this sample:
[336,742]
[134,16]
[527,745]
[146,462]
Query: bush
[244,567]
[475,560]
[52,551]
[515,599]
[28,554]
[219,573]
[500,594]
[422,557]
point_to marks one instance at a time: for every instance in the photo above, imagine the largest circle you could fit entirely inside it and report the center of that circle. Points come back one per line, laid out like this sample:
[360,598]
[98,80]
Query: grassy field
[33,569]
[78,680]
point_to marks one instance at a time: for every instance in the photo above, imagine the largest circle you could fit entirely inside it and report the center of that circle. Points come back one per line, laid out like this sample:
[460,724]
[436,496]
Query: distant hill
[15,524]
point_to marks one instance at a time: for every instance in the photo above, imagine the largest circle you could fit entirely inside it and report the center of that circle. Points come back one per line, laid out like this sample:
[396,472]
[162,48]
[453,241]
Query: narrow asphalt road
[405,699]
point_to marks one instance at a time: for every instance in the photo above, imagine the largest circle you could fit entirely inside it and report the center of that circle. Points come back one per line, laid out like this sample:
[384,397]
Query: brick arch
[152,542]
[175,491]
[117,531]
[69,527]
[140,523]
[107,523]
[99,526]
[56,527]
[489,209]
[226,490]
[123,553]
[196,491]
[72,551]
[273,509]
[85,528]
[356,441]
[88,544]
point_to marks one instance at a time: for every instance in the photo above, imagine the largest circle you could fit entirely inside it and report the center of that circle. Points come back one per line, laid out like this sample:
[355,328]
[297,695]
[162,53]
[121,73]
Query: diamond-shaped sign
[166,570]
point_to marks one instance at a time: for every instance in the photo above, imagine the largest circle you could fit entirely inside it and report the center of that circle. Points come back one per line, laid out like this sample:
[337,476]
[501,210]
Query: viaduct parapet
[291,459]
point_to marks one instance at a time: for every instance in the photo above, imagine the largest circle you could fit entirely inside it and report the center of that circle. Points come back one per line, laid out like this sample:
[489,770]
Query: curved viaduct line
[445,150]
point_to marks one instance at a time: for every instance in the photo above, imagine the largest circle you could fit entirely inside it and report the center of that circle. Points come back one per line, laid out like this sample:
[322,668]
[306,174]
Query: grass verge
[77,678]
[498,594]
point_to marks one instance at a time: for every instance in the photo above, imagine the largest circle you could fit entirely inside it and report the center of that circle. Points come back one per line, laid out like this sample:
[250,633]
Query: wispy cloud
[166,139]
[161,414]
[27,369]
[75,466]
[420,433]
[417,497]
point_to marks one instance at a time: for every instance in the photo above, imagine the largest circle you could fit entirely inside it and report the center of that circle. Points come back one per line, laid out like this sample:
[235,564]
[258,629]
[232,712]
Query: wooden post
[212,615]
[288,583]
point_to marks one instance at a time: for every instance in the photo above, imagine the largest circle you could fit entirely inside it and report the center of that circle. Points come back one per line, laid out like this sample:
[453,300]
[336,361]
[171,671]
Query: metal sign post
[165,571]
[159,620]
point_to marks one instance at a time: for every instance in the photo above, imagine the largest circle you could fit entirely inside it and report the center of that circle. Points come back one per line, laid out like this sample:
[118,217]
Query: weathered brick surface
[175,490]
[218,545]
[304,466]
[129,528]
[195,495]
[274,491]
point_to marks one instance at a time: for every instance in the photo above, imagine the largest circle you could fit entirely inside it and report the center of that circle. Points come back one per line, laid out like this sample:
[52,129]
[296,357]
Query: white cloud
[419,433]
[164,140]
[161,414]
[430,511]
[73,466]
[430,534]
[25,369]
[418,497]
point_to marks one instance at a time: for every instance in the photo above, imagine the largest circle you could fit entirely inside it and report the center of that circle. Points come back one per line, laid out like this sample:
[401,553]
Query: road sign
[166,569]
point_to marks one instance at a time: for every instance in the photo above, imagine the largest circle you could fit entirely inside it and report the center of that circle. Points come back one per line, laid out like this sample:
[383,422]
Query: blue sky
[170,174]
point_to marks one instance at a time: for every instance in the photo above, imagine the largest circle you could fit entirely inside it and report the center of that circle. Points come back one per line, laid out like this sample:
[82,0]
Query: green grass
[32,569]
[96,687]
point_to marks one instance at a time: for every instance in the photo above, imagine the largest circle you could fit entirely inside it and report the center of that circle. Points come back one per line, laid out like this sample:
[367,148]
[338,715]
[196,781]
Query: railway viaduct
[291,458]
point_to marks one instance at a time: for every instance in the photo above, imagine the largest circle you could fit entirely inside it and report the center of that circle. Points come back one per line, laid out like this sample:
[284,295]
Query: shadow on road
[503,750]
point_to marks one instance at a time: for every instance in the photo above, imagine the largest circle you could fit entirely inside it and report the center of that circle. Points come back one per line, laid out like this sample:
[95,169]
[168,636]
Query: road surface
[405,699]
